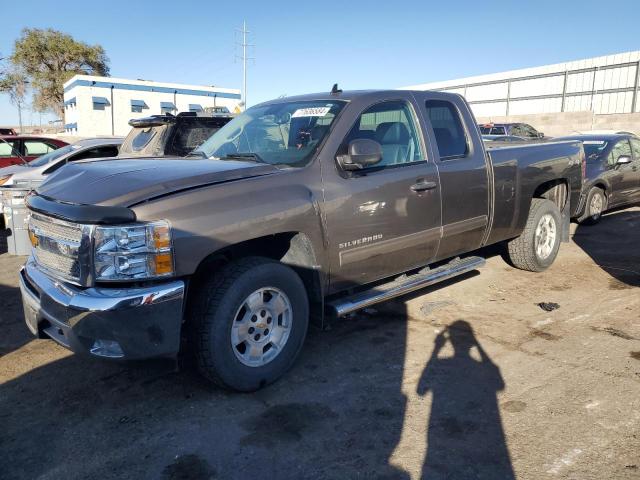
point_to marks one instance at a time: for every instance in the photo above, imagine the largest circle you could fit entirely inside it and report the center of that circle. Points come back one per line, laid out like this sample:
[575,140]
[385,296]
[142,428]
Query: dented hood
[125,182]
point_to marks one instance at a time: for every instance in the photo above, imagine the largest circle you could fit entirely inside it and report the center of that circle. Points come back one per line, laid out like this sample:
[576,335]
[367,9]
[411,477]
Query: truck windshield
[284,134]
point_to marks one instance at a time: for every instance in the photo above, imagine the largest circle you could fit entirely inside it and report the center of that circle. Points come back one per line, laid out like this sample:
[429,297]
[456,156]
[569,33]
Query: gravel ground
[470,380]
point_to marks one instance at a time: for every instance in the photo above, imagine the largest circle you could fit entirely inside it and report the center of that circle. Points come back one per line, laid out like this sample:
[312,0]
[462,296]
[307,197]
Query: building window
[99,103]
[167,107]
[138,105]
[195,107]
[70,103]
[71,128]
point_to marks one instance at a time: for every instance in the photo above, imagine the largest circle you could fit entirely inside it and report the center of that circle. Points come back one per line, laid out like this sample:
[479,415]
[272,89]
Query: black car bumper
[119,323]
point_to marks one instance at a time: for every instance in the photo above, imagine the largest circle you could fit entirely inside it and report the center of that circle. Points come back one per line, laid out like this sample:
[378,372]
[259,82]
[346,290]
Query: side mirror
[623,160]
[361,153]
[540,135]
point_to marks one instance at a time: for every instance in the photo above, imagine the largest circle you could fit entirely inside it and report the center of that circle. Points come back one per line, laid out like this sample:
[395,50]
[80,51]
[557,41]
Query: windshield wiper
[243,156]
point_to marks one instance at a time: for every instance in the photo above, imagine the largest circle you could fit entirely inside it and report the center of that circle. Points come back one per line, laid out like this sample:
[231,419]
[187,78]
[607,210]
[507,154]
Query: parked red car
[17,149]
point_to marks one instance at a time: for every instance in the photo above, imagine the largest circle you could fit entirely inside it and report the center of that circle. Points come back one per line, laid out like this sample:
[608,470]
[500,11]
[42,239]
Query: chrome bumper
[129,323]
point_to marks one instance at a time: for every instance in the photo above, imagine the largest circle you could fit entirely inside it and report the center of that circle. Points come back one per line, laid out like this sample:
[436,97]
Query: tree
[49,58]
[14,83]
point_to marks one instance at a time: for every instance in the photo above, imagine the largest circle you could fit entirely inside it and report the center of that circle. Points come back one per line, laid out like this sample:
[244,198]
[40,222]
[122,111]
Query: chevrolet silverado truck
[318,204]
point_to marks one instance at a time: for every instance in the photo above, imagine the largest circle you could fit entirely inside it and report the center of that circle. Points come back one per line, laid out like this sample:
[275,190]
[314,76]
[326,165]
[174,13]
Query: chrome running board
[403,285]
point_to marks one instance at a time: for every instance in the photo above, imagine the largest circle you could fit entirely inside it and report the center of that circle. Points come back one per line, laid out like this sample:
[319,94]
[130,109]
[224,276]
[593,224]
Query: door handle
[423,186]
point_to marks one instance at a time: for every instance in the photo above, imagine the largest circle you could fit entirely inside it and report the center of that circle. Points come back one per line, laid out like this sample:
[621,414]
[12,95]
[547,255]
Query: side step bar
[403,285]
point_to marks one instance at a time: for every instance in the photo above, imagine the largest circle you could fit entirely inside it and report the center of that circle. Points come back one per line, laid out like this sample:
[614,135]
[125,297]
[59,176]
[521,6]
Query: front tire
[595,206]
[250,322]
[537,246]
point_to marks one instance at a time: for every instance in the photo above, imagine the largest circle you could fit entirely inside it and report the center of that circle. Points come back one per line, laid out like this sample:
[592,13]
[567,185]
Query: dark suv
[170,135]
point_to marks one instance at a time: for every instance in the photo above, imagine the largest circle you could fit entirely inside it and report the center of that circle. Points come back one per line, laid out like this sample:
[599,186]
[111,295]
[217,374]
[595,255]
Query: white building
[602,85]
[95,106]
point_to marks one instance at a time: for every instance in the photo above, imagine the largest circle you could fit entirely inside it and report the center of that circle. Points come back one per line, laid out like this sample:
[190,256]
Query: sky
[304,47]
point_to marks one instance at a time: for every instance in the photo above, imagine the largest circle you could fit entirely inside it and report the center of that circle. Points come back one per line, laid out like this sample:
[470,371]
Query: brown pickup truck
[320,204]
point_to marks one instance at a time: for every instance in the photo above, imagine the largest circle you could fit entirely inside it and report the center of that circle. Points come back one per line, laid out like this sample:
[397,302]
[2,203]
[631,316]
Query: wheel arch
[294,249]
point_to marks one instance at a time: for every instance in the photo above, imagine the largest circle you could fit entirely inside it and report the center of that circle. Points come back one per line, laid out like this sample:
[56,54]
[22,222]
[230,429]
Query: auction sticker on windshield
[311,112]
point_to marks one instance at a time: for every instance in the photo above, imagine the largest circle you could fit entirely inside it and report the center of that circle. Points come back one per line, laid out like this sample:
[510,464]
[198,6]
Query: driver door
[384,219]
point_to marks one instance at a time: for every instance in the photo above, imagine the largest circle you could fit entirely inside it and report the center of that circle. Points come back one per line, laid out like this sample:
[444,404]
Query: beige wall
[565,123]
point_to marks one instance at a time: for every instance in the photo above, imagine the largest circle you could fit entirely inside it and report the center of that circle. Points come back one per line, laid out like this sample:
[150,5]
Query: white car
[36,171]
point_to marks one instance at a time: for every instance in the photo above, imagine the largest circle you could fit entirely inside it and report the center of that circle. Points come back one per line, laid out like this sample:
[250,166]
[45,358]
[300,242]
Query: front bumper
[126,323]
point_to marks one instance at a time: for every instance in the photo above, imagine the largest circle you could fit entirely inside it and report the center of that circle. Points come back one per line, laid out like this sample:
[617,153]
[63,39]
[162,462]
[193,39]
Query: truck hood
[125,182]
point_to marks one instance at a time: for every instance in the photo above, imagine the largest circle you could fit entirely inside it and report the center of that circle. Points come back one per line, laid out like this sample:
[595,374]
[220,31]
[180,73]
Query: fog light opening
[107,348]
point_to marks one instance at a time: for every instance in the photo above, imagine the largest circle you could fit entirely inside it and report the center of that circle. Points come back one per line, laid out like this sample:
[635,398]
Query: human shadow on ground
[613,245]
[465,438]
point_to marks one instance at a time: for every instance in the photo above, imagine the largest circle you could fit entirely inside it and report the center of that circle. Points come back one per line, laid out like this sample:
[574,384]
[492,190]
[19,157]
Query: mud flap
[566,221]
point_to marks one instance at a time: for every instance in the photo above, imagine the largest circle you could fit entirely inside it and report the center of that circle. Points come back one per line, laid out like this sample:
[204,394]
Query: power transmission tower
[244,59]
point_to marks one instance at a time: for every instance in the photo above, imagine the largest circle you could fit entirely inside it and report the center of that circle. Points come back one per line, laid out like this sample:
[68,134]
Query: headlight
[133,252]
[5,179]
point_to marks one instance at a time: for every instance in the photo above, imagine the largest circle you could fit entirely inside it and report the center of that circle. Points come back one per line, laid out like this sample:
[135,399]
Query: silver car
[36,171]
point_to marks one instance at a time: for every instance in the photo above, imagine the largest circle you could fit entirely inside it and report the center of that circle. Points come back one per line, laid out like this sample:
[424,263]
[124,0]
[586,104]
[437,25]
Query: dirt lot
[526,393]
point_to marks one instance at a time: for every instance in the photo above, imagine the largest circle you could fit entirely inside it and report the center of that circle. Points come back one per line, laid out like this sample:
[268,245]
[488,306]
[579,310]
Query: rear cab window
[448,129]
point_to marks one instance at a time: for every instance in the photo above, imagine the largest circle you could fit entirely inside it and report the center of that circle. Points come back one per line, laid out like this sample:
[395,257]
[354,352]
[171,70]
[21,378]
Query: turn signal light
[163,263]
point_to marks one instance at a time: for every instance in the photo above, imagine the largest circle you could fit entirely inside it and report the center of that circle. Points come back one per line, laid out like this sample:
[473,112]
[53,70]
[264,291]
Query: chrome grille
[57,246]
[66,232]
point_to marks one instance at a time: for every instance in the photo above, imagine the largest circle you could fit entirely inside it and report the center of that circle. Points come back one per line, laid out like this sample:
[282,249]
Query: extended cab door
[462,166]
[384,219]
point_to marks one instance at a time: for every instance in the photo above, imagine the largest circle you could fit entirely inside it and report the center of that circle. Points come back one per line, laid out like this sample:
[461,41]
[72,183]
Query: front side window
[517,130]
[635,144]
[284,134]
[622,148]
[32,148]
[448,129]
[529,131]
[390,124]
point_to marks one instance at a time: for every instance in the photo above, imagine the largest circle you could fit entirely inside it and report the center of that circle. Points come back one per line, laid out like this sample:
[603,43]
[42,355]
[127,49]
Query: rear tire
[537,246]
[250,322]
[594,207]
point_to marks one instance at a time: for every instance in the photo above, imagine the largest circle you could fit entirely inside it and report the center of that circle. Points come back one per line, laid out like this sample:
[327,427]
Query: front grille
[57,246]
[66,232]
